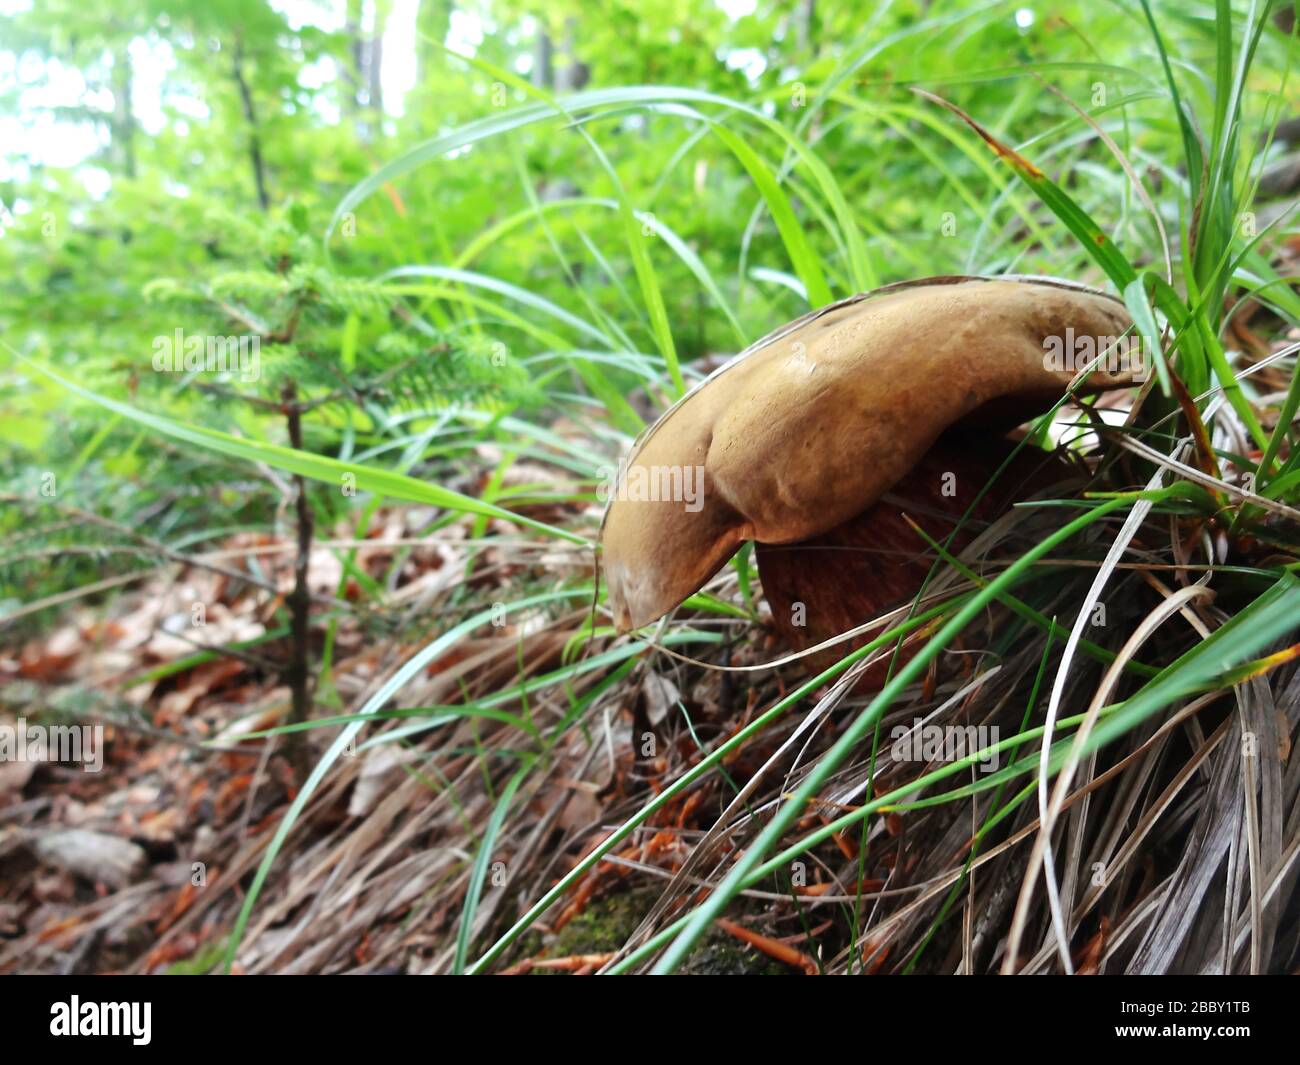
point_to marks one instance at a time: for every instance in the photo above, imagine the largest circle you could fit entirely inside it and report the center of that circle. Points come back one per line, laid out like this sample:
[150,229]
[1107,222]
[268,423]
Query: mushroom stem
[828,584]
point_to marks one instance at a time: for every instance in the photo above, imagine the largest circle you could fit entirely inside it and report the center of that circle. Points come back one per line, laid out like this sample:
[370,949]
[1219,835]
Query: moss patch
[606,924]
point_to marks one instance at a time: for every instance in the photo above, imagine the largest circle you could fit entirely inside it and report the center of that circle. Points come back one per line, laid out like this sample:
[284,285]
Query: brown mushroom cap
[812,424]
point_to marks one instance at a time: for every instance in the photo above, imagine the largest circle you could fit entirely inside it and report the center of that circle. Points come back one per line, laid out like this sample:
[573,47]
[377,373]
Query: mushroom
[793,443]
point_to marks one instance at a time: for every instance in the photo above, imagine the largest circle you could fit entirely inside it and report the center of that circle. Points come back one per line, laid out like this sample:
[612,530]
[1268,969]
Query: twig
[298,673]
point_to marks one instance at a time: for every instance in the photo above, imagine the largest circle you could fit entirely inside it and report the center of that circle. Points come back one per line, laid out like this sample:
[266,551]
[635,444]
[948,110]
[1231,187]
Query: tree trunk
[432,24]
[123,119]
[254,134]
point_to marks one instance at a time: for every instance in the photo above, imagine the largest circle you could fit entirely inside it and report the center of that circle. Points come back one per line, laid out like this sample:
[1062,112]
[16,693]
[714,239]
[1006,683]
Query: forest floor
[141,863]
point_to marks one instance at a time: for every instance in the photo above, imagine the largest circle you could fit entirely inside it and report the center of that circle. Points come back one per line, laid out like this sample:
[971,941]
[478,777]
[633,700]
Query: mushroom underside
[826,585]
